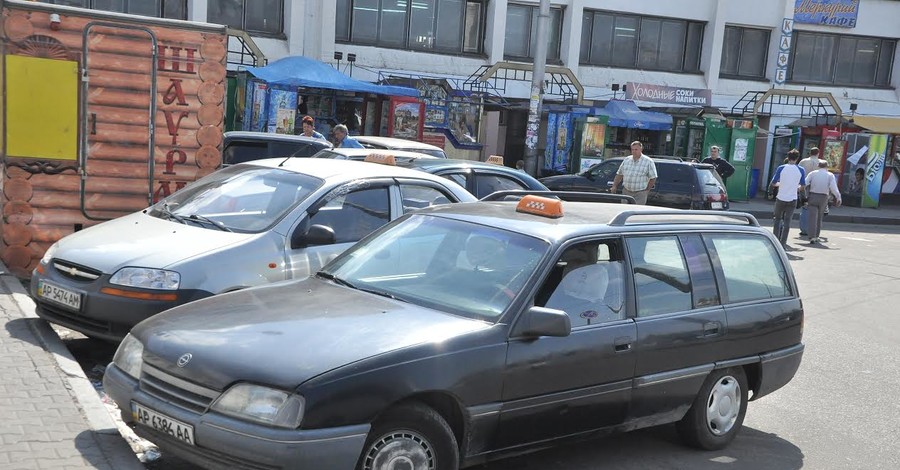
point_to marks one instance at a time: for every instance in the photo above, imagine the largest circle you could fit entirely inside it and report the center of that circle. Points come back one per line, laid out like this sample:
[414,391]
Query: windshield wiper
[383,294]
[215,223]
[171,215]
[332,277]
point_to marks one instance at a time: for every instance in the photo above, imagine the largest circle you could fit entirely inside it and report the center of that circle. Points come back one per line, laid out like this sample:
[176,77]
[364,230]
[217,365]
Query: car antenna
[289,157]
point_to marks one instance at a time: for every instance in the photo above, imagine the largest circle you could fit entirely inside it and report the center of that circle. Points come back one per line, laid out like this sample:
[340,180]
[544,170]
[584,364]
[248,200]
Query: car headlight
[261,404]
[48,255]
[129,356]
[147,278]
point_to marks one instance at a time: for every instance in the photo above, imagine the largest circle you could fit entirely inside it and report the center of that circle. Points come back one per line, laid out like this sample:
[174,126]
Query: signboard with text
[840,13]
[668,94]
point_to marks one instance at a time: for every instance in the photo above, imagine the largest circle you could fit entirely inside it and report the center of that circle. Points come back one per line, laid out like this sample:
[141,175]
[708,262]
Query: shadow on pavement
[22,329]
[660,448]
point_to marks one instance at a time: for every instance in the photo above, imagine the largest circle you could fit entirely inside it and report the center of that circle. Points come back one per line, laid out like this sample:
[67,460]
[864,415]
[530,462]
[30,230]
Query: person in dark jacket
[723,168]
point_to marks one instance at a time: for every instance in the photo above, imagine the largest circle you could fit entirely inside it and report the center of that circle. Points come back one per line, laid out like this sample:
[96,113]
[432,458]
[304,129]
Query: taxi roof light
[542,206]
[495,159]
[381,158]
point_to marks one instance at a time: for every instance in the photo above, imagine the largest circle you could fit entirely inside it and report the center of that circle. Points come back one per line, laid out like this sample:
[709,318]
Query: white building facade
[729,47]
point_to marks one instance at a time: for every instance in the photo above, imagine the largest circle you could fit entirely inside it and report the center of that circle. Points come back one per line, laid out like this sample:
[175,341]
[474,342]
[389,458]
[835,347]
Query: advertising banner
[282,111]
[871,190]
[668,94]
[841,13]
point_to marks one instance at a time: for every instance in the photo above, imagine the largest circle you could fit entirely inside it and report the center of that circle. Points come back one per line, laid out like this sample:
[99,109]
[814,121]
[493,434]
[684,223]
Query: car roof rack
[571,196]
[690,216]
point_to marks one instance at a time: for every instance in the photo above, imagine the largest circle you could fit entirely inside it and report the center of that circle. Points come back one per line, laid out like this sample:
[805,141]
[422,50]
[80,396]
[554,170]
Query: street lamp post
[537,88]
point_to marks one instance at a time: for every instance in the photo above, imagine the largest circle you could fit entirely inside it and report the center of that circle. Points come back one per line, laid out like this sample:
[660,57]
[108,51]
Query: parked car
[241,147]
[467,332]
[391,143]
[242,226]
[479,178]
[681,185]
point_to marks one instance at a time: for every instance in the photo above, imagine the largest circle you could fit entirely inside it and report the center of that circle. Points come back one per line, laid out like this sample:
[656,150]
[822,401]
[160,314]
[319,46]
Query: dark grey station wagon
[464,333]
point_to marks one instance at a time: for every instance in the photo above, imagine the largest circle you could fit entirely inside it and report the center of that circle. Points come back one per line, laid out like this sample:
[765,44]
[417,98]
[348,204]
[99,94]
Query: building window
[648,43]
[744,52]
[174,9]
[842,60]
[452,26]
[521,32]
[258,17]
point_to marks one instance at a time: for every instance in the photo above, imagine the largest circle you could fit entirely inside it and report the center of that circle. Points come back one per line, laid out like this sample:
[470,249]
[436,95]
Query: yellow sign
[495,159]
[42,108]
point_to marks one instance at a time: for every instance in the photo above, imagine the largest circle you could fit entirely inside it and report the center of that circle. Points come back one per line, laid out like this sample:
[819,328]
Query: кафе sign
[668,94]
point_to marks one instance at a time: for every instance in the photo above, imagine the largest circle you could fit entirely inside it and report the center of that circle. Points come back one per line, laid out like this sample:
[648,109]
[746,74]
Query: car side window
[661,279]
[458,178]
[416,196]
[751,267]
[587,283]
[681,174]
[487,183]
[606,170]
[702,276]
[355,214]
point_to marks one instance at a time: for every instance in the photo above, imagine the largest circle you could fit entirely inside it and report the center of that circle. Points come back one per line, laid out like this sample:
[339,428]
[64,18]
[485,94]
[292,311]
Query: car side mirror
[540,321]
[316,235]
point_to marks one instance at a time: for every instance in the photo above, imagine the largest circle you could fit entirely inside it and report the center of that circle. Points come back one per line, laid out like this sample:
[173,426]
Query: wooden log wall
[41,206]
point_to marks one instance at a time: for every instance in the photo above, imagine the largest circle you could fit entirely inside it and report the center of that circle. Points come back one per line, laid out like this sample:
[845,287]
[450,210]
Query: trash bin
[754,183]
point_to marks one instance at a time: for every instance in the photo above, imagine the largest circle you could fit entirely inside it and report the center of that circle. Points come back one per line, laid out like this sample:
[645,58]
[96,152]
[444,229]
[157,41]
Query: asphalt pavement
[53,417]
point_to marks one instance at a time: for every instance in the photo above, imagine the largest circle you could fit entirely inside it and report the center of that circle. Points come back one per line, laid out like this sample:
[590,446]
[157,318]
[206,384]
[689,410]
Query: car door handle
[712,328]
[623,344]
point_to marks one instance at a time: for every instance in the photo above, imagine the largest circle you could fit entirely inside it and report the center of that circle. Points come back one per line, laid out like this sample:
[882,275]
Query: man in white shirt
[809,165]
[636,174]
[789,179]
[820,184]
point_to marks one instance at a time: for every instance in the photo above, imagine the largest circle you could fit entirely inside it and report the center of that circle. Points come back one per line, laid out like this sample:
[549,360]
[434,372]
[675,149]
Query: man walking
[809,165]
[789,179]
[636,174]
[723,168]
[820,184]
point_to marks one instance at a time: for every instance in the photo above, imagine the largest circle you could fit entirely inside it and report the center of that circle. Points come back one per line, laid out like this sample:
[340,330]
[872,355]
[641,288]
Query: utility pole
[537,88]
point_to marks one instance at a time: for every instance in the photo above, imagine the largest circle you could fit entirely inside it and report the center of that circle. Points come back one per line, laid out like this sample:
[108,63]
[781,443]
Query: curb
[834,218]
[114,448]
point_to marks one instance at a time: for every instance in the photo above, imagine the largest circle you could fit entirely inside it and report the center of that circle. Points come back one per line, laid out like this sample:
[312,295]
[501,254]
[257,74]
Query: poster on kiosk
[871,190]
[406,119]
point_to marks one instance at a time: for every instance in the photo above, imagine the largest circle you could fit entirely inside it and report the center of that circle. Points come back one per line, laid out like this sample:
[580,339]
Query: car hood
[140,240]
[286,333]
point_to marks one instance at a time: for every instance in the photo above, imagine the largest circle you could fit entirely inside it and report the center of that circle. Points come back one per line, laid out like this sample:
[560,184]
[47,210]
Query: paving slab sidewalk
[50,415]
[884,215]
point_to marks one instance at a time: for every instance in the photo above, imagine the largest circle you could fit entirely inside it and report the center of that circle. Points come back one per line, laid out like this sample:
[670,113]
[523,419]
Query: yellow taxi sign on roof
[542,206]
[381,158]
[495,159]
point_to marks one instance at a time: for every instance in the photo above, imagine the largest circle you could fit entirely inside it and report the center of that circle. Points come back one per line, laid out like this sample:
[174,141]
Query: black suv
[680,185]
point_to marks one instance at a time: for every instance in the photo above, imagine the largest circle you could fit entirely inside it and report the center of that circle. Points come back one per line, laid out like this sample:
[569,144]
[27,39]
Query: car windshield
[238,199]
[328,153]
[245,150]
[450,265]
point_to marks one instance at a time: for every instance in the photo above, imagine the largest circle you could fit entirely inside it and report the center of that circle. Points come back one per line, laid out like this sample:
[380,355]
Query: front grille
[179,392]
[67,317]
[76,271]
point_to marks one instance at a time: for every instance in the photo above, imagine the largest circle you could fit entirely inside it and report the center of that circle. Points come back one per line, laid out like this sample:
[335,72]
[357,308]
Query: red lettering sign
[171,160]
[165,189]
[174,92]
[173,126]
[175,61]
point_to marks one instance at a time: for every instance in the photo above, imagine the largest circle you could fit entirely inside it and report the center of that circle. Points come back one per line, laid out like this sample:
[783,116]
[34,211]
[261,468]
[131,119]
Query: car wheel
[410,437]
[718,410]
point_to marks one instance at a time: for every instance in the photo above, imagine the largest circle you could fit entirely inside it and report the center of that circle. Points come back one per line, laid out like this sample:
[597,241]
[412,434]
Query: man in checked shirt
[636,174]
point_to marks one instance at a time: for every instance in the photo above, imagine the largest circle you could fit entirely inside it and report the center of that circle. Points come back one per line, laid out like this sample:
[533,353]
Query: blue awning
[305,72]
[624,113]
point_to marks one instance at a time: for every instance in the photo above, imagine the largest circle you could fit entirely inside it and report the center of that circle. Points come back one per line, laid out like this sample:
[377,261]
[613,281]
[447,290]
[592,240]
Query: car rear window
[752,267]
[240,151]
[709,180]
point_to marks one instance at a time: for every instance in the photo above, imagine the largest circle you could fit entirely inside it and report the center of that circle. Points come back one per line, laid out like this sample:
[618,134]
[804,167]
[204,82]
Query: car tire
[717,413]
[414,435]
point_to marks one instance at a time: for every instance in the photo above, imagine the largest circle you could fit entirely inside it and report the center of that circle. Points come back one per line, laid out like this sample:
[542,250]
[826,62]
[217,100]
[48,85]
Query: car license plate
[162,423]
[715,205]
[59,295]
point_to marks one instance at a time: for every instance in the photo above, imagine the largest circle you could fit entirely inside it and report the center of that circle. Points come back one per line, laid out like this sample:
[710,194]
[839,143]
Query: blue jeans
[804,220]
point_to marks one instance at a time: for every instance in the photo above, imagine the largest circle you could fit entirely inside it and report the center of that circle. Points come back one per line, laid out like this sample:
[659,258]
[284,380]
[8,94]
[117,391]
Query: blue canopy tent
[624,113]
[301,71]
